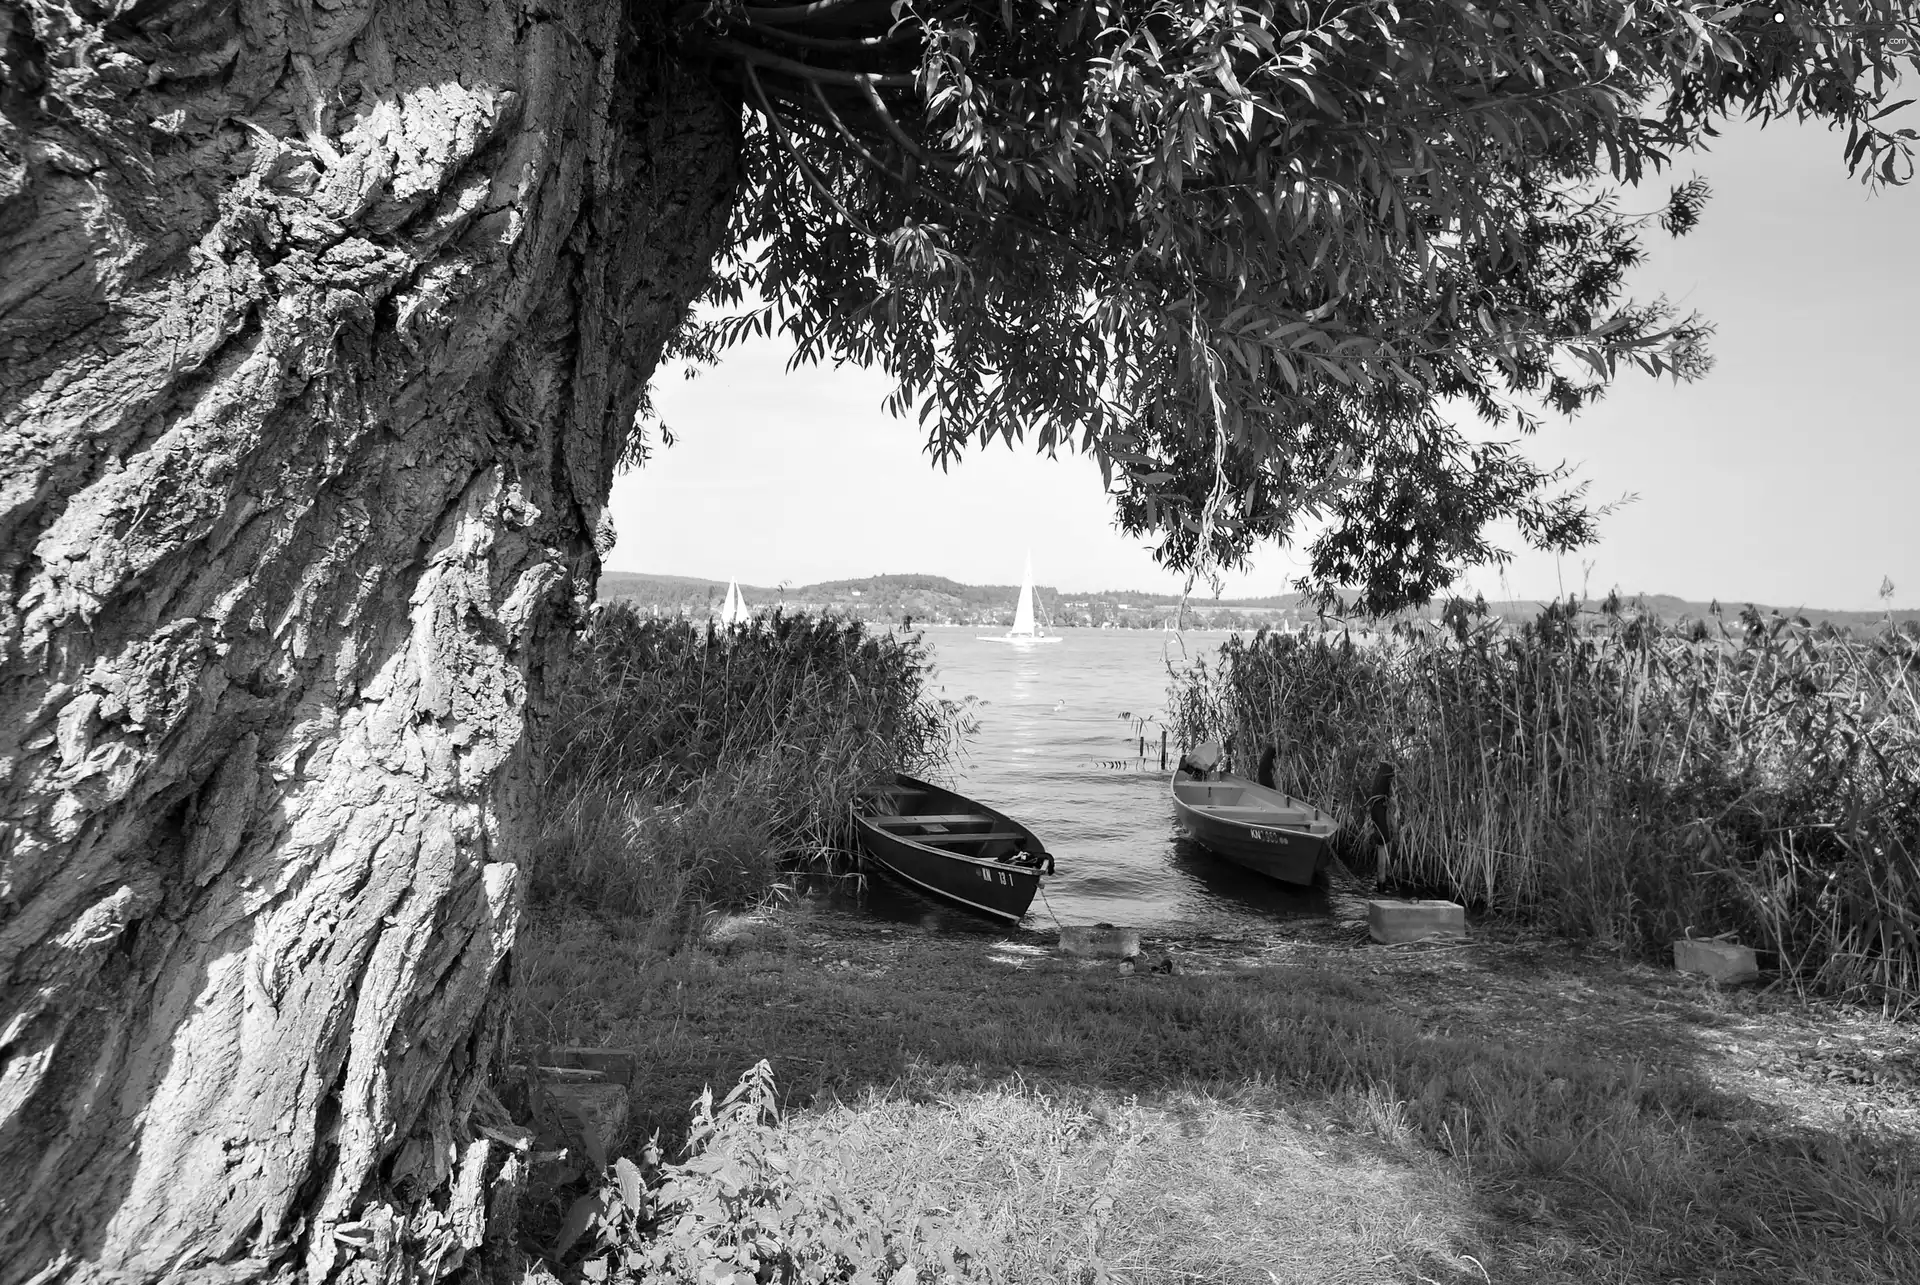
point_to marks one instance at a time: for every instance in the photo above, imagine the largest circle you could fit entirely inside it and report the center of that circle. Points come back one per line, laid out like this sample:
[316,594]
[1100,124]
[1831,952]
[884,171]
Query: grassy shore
[1301,1107]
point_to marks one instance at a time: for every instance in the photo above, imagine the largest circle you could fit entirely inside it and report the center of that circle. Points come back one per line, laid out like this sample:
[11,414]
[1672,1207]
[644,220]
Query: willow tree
[325,326]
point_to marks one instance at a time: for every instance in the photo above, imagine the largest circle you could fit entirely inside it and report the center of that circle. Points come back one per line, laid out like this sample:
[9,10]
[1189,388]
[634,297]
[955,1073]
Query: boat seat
[975,837]
[954,818]
[1291,815]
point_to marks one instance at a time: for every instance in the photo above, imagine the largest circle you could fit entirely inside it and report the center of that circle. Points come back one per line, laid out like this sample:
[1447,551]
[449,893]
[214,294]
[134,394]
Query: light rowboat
[1253,825]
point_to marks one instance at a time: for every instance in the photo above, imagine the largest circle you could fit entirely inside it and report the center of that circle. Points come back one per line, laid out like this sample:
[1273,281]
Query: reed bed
[1606,774]
[691,767]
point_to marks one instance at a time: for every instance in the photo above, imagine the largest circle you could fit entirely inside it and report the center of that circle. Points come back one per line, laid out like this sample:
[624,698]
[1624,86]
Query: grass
[1182,1187]
[1603,774]
[1298,1120]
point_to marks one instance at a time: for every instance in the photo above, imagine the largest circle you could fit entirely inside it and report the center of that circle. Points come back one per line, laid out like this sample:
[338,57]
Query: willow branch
[893,126]
[797,107]
[794,14]
[991,218]
[806,71]
[902,29]
[780,125]
[851,137]
[869,85]
[832,42]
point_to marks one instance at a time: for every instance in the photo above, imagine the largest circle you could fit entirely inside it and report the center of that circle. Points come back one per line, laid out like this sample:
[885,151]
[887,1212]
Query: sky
[1786,476]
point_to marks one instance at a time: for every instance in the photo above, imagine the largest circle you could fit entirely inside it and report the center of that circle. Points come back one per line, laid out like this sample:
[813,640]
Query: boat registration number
[1268,836]
[995,876]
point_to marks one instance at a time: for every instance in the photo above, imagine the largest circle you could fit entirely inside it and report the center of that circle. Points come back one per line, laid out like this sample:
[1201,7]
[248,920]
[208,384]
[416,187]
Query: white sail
[735,609]
[1025,628]
[1023,614]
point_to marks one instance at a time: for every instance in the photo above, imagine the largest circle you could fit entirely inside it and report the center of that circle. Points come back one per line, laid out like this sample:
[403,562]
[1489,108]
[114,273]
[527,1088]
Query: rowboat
[949,845]
[1253,825]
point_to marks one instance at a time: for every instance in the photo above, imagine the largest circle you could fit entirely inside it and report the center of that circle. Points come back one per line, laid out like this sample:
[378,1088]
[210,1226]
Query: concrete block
[1102,941]
[1720,960]
[592,1118]
[1391,922]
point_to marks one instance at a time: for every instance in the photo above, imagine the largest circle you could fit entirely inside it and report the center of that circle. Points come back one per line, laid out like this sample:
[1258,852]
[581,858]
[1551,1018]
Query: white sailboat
[1024,630]
[735,611]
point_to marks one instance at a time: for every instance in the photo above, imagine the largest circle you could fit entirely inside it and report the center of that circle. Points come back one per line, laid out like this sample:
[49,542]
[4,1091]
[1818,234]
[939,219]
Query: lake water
[1055,752]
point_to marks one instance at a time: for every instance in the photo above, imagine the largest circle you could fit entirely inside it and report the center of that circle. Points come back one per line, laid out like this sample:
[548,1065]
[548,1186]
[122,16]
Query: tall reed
[690,766]
[1607,774]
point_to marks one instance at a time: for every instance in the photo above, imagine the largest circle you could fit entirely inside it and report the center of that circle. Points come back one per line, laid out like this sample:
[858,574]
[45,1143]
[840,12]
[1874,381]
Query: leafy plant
[751,1203]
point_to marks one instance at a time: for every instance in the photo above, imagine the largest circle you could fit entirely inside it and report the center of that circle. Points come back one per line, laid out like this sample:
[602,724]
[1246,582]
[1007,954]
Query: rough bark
[321,326]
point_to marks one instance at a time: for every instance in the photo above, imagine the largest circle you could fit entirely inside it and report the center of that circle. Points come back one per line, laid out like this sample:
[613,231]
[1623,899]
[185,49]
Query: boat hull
[1017,641]
[996,875]
[1273,834]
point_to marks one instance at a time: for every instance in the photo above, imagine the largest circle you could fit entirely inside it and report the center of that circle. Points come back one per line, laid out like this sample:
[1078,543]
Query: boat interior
[916,814]
[1240,801]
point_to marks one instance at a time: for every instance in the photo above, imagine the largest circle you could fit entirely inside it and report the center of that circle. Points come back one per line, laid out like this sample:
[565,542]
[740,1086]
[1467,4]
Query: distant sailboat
[1024,629]
[735,611]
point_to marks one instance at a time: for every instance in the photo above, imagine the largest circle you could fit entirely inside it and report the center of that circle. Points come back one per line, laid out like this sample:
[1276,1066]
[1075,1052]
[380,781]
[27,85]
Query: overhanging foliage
[1250,255]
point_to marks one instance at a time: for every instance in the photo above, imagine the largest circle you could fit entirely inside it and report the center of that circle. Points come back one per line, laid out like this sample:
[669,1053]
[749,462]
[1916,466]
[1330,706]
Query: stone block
[1720,960]
[1102,941]
[1391,922]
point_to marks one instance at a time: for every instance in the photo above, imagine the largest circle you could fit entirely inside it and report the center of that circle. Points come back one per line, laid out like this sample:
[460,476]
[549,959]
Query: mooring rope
[1058,926]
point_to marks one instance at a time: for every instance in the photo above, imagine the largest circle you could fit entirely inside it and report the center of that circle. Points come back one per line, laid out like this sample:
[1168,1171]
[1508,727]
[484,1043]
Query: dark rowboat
[947,844]
[1254,826]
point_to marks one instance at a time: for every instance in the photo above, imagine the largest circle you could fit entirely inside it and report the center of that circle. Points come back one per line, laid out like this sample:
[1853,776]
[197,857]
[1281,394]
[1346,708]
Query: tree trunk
[322,324]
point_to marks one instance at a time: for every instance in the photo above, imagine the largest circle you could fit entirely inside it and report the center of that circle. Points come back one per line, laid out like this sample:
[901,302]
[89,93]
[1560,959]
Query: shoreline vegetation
[692,768]
[823,1098]
[1607,775]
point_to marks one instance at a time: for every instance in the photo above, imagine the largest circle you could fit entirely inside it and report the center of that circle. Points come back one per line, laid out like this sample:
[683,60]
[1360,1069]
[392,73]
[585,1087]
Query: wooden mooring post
[1379,794]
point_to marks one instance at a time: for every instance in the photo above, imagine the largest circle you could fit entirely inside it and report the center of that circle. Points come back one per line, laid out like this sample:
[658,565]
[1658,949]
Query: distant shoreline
[938,601]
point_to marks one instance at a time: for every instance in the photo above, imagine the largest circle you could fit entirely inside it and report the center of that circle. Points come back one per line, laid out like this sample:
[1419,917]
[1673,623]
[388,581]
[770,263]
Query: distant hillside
[1668,607]
[669,590]
[936,600]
